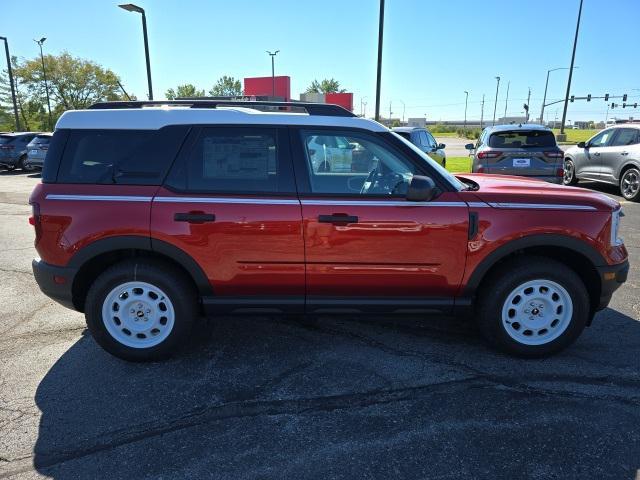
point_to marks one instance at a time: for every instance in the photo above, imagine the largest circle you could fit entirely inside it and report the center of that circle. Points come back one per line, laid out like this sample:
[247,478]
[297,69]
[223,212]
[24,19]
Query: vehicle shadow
[7,173]
[273,397]
[602,188]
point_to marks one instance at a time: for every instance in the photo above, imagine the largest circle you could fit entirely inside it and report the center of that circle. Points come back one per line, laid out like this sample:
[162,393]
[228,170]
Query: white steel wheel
[537,312]
[138,314]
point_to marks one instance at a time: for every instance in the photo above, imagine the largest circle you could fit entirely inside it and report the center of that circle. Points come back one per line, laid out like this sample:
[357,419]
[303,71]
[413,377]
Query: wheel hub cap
[537,312]
[138,314]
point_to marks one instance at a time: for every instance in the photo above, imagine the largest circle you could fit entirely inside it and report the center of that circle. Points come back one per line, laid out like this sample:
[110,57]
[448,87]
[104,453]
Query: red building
[343,99]
[264,86]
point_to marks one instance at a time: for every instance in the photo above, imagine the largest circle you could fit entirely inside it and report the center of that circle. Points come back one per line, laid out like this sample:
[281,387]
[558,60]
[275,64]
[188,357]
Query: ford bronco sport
[150,214]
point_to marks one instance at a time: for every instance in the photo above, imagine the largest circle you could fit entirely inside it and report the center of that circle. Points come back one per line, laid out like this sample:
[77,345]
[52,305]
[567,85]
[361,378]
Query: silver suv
[526,150]
[611,156]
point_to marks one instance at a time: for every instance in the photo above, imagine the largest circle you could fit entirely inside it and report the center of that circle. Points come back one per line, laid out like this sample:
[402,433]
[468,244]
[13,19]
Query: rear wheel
[569,173]
[21,161]
[533,307]
[630,185]
[141,310]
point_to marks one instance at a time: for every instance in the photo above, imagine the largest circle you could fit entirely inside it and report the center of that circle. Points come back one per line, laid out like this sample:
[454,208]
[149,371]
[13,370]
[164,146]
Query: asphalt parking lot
[339,398]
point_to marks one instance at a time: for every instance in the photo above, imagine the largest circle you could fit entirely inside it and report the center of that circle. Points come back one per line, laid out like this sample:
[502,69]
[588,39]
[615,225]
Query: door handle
[624,153]
[337,218]
[596,154]
[194,217]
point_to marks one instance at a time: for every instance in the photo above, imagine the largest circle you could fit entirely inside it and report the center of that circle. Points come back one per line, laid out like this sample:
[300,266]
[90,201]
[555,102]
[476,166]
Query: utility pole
[528,104]
[482,112]
[573,57]
[506,101]
[390,113]
[13,92]
[273,72]
[379,73]
[466,99]
[495,104]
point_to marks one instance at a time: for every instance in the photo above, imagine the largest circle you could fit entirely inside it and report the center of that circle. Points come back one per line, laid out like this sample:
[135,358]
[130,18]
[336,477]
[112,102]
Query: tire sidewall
[635,197]
[491,315]
[573,180]
[169,281]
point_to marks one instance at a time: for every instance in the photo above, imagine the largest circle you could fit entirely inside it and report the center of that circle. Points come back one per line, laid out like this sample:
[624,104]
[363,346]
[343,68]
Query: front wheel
[569,173]
[141,310]
[630,185]
[533,307]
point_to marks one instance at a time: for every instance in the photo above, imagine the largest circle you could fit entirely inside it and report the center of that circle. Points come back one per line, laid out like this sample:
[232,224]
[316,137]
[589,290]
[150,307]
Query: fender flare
[540,240]
[137,242]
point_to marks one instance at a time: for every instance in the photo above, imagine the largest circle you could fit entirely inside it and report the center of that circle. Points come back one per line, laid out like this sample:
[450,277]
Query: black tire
[573,180]
[444,163]
[501,283]
[20,163]
[175,285]
[630,175]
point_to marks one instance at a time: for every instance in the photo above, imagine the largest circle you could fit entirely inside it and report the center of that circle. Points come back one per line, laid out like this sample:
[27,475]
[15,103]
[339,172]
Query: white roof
[152,118]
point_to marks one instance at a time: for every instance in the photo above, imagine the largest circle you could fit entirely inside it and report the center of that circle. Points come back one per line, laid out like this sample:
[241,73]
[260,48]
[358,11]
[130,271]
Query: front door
[229,202]
[367,248]
[591,165]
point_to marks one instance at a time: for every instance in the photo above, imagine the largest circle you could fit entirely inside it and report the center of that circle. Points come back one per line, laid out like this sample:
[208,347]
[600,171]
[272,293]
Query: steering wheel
[368,182]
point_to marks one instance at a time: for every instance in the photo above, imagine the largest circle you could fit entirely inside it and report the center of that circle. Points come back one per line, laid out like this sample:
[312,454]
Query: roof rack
[325,109]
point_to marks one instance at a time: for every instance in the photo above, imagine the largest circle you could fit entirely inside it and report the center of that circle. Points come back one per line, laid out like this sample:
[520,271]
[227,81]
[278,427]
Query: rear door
[229,202]
[617,153]
[366,246]
[524,153]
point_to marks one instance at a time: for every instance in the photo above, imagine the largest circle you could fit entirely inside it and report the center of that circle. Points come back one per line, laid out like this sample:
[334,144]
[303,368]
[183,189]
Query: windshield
[41,140]
[4,139]
[522,139]
[453,181]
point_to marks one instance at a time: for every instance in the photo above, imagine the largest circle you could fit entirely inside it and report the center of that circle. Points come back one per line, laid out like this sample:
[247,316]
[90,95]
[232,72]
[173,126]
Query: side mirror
[421,189]
[469,146]
[441,146]
[582,145]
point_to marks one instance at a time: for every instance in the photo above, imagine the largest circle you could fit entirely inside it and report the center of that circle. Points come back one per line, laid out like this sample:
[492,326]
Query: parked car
[424,140]
[13,149]
[611,156]
[148,217]
[37,151]
[526,150]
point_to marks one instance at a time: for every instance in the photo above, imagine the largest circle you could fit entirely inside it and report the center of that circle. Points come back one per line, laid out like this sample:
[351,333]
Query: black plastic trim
[253,304]
[379,305]
[44,274]
[621,272]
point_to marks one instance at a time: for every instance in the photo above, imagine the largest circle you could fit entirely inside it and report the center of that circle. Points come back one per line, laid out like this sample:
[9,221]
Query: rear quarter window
[129,157]
[522,139]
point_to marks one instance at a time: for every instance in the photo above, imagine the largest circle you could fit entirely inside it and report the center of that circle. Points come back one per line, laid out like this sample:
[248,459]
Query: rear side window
[130,157]
[625,136]
[41,140]
[6,139]
[233,160]
[522,139]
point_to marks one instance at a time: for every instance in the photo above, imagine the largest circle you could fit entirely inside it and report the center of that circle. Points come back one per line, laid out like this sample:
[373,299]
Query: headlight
[615,226]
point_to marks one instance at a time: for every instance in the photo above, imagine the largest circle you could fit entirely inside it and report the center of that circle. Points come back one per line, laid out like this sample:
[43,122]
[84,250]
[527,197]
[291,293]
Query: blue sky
[433,51]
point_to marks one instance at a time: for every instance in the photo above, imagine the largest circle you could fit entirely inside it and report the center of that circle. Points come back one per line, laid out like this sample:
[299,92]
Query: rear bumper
[611,278]
[55,282]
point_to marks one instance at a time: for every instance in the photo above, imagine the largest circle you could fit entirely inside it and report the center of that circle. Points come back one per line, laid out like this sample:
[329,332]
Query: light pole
[379,71]
[404,108]
[573,57]
[130,7]
[546,85]
[44,74]
[363,107]
[273,72]
[13,92]
[466,99]
[495,104]
[506,100]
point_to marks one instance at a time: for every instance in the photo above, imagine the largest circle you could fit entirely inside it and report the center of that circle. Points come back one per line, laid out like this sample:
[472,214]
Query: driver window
[424,139]
[353,163]
[601,139]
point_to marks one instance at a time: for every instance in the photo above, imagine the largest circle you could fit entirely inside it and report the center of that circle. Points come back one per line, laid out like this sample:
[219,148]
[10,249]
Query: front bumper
[55,282]
[8,161]
[611,278]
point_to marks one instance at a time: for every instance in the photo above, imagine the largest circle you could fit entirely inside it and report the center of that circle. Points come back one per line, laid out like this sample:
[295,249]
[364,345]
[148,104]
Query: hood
[508,191]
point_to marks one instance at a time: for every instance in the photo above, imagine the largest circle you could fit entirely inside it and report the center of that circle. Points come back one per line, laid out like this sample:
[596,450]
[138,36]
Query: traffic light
[588,97]
[606,97]
[624,97]
[624,105]
[635,105]
[572,98]
[613,105]
[526,107]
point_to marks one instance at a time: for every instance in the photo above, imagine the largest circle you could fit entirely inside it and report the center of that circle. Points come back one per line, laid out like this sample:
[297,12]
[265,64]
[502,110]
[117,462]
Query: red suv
[150,214]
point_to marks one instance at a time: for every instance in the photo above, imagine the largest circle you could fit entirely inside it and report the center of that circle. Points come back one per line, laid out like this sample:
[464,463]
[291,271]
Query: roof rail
[325,109]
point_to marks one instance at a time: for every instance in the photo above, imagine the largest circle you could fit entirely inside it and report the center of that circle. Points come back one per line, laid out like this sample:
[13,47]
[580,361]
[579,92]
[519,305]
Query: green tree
[185,90]
[74,83]
[226,87]
[31,111]
[328,85]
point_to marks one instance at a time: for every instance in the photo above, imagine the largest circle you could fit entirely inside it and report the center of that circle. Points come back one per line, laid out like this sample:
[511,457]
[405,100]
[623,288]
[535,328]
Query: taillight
[480,170]
[488,154]
[34,220]
[554,154]
[560,172]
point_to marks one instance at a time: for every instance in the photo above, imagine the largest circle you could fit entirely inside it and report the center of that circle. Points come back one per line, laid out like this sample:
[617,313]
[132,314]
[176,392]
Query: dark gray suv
[611,156]
[422,138]
[526,150]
